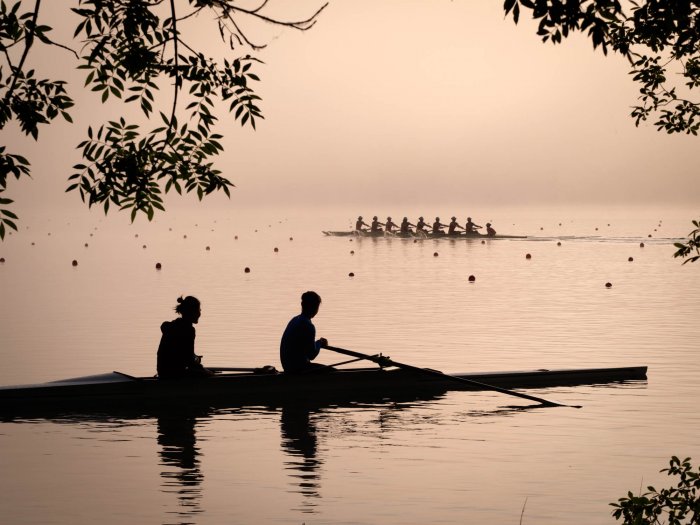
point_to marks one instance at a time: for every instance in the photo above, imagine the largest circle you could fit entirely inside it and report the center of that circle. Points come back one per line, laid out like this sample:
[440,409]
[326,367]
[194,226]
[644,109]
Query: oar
[385,361]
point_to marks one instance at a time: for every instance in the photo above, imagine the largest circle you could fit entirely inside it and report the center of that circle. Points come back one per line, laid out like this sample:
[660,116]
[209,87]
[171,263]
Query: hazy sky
[393,102]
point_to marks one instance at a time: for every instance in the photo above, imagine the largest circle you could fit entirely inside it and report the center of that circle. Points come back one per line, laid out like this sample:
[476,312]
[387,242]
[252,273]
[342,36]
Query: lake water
[460,457]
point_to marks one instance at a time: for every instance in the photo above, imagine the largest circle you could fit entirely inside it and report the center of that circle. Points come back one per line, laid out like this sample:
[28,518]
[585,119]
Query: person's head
[359,218]
[437,219]
[488,224]
[405,219]
[189,308]
[454,218]
[469,219]
[420,218]
[388,218]
[374,218]
[310,302]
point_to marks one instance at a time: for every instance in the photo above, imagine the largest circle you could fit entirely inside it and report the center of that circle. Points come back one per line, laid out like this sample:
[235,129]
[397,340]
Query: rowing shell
[117,389]
[425,235]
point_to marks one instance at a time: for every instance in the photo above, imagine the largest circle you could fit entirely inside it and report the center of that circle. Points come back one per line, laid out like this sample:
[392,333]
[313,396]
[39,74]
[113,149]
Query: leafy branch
[128,49]
[679,504]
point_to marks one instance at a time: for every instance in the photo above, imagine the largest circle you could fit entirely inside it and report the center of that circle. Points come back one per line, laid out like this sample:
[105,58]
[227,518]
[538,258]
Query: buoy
[158,266]
[2,259]
[246,270]
[184,236]
[649,235]
[276,249]
[170,229]
[352,252]
[90,234]
[136,235]
[50,234]
[207,248]
[144,246]
[291,238]
[75,263]
[350,240]
[596,229]
[435,254]
[235,237]
[86,245]
[541,228]
[472,278]
[558,243]
[483,242]
[608,285]
[641,245]
[415,241]
[351,274]
[528,256]
[630,259]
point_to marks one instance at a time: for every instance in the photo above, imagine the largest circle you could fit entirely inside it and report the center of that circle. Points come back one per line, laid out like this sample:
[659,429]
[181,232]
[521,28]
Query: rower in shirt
[359,224]
[438,226]
[452,228]
[390,225]
[489,230]
[406,226]
[420,225]
[470,228]
[376,225]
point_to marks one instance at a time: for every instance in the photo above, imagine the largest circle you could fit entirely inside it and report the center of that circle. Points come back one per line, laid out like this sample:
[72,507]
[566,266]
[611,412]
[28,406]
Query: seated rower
[421,225]
[376,225]
[452,228]
[406,226]
[359,224]
[489,230]
[437,227]
[390,225]
[176,357]
[299,346]
[470,228]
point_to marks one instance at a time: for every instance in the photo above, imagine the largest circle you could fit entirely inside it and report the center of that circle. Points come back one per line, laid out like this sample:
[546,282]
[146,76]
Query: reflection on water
[180,455]
[299,441]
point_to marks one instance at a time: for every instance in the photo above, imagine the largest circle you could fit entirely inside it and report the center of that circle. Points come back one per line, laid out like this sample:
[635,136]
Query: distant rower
[438,226]
[453,227]
[406,226]
[470,228]
[360,223]
[490,231]
[390,224]
[376,225]
[420,225]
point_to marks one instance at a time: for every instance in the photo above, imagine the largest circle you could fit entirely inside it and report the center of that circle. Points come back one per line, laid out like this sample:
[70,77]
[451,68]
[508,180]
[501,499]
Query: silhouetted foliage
[661,40]
[690,246]
[679,504]
[128,48]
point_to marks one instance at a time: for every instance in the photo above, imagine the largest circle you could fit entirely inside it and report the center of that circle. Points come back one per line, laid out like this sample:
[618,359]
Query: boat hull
[115,390]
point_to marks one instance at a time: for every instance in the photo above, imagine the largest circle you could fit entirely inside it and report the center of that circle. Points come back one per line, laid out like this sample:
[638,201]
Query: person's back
[298,346]
[489,230]
[437,227]
[420,225]
[176,357]
[376,225]
[405,225]
[359,224]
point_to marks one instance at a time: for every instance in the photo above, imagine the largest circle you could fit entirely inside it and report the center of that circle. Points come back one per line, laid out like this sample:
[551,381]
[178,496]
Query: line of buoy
[472,278]
[608,285]
[246,270]
[75,263]
[528,256]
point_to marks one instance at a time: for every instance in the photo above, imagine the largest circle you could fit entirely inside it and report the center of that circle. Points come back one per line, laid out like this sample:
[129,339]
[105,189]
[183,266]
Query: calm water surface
[456,458]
